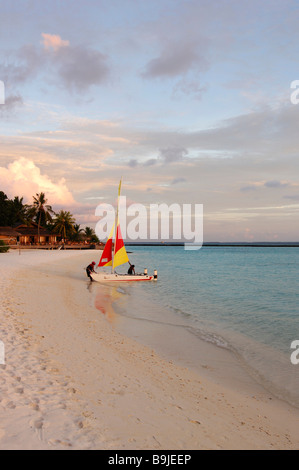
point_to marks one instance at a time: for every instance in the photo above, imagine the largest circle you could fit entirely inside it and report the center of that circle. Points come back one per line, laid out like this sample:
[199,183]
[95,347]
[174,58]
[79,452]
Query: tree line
[14,212]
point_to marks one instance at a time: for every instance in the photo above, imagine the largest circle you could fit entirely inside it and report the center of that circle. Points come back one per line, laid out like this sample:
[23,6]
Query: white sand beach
[73,380]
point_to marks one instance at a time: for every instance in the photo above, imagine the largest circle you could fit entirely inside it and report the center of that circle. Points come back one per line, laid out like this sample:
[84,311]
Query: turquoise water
[245,299]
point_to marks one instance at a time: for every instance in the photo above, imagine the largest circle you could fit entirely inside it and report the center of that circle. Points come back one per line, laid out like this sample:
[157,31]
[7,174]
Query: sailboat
[117,256]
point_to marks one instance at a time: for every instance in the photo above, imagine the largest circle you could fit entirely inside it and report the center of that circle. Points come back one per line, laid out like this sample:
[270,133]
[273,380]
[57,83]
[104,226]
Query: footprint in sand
[11,405]
[37,425]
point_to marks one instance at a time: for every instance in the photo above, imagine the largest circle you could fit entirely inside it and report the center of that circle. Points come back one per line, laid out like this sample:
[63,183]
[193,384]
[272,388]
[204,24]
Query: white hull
[106,277]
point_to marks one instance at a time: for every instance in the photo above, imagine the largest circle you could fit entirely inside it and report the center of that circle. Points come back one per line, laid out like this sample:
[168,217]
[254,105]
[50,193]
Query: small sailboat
[117,256]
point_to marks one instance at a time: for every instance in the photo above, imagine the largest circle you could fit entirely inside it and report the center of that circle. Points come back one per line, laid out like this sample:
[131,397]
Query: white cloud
[24,178]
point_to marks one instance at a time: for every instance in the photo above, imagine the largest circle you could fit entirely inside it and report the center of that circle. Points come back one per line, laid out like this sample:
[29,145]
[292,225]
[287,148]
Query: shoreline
[115,392]
[207,354]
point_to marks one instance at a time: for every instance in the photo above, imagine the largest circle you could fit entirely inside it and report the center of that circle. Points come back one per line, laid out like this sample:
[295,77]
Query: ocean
[242,299]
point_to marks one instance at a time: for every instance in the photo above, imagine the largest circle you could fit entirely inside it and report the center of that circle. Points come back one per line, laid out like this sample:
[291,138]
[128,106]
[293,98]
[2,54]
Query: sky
[189,101]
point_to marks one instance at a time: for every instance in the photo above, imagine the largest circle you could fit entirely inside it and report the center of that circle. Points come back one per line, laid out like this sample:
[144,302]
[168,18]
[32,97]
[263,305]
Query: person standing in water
[131,269]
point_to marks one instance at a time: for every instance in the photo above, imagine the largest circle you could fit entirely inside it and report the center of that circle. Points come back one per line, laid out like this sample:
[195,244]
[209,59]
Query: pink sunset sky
[187,101]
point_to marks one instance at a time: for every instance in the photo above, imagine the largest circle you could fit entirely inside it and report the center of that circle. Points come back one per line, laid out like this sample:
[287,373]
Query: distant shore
[66,246]
[166,244]
[232,244]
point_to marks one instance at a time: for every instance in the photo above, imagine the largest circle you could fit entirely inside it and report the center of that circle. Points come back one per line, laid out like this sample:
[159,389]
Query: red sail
[106,258]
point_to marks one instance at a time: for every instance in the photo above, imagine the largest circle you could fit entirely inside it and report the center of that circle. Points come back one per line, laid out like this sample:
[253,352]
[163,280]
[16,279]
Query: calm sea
[244,299]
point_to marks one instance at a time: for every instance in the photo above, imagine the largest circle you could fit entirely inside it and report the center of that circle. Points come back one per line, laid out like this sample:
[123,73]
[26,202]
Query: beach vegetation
[90,235]
[40,211]
[63,224]
[13,211]
[4,209]
[40,214]
[77,233]
[19,212]
[3,247]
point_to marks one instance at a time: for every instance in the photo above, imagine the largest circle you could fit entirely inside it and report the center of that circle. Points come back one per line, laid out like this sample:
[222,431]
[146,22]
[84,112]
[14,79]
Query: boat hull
[106,277]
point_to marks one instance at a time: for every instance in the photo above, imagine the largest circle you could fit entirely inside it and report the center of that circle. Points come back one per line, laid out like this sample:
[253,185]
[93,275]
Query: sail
[120,254]
[106,258]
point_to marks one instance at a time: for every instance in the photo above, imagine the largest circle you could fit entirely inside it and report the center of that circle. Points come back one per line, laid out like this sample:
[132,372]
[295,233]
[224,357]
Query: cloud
[295,197]
[17,69]
[23,65]
[267,184]
[178,180]
[250,187]
[191,88]
[151,162]
[174,60]
[166,155]
[78,67]
[24,178]
[132,163]
[12,102]
[54,42]
[276,184]
[73,67]
[266,131]
[172,154]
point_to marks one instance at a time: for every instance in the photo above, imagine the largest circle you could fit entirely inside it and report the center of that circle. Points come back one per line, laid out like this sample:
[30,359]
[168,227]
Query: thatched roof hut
[33,234]
[9,235]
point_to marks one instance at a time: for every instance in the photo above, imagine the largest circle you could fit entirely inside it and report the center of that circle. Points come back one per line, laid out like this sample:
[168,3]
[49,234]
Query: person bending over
[90,269]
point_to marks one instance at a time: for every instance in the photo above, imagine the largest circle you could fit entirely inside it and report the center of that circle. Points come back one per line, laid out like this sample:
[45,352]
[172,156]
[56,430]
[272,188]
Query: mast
[120,255]
[116,225]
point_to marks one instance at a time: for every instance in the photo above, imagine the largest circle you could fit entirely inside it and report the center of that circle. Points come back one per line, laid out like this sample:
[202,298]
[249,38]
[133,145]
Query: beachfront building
[9,235]
[33,235]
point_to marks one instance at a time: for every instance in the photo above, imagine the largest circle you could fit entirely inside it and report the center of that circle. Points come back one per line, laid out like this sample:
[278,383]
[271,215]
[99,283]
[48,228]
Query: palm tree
[19,211]
[40,211]
[90,235]
[77,231]
[64,224]
[88,232]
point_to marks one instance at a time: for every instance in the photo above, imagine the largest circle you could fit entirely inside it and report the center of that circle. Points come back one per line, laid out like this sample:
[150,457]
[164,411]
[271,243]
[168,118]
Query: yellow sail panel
[120,257]
[120,254]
